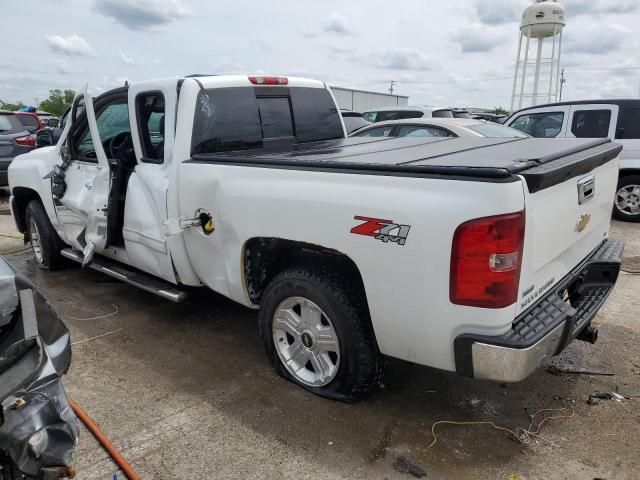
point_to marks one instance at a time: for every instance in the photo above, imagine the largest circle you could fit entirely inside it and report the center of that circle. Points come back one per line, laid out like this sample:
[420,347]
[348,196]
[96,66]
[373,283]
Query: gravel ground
[186,392]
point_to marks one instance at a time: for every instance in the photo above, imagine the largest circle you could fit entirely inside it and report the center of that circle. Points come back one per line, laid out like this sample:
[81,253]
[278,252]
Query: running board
[135,278]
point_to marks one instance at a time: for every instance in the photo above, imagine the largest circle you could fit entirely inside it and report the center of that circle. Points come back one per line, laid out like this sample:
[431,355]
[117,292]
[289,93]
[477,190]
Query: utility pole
[562,82]
[393,82]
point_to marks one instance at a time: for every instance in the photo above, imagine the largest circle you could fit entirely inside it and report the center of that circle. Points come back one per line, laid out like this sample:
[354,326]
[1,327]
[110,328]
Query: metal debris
[38,429]
[558,371]
[403,465]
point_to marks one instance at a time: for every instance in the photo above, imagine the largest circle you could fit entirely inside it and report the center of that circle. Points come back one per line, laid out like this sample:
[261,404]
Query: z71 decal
[383,230]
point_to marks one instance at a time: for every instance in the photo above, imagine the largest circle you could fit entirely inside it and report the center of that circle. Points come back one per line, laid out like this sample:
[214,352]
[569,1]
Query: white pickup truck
[479,256]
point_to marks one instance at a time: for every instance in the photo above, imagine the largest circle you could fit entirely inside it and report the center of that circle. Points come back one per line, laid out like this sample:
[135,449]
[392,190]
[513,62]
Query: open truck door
[81,184]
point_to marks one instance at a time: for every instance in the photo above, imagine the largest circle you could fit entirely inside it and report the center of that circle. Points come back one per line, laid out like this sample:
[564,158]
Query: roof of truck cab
[621,102]
[468,157]
[222,81]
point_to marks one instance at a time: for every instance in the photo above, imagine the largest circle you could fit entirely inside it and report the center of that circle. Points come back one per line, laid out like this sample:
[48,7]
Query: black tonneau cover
[541,161]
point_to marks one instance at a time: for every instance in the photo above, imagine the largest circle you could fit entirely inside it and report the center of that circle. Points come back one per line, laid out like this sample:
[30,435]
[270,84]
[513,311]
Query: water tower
[542,20]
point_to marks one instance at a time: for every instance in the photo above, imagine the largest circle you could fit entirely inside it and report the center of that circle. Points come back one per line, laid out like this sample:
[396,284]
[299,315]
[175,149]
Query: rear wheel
[45,242]
[318,334]
[627,202]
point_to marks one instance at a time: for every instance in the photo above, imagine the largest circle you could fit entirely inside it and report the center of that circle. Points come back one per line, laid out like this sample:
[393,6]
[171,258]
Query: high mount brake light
[269,80]
[27,140]
[486,256]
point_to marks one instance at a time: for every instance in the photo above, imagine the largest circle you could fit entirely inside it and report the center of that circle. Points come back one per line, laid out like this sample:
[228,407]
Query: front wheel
[45,242]
[318,334]
[627,202]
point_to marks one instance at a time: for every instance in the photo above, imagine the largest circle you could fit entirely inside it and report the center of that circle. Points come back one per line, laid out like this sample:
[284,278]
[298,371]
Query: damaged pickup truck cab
[479,256]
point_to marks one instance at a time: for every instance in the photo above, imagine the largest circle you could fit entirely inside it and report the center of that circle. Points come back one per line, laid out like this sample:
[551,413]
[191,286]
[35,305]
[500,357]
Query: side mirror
[52,122]
[44,138]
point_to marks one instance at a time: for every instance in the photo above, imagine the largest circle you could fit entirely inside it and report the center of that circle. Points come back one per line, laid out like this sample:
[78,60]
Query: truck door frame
[145,214]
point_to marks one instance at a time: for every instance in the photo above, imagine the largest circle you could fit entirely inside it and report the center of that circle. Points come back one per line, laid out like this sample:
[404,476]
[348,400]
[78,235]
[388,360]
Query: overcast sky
[361,43]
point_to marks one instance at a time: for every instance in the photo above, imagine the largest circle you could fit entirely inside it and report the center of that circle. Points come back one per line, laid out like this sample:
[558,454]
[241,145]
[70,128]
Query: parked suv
[618,120]
[399,113]
[14,140]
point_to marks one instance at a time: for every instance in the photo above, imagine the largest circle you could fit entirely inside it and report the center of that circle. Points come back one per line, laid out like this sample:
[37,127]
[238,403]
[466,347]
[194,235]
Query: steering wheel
[121,146]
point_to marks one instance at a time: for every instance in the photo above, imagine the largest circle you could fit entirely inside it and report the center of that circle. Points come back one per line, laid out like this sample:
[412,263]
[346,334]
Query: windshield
[494,130]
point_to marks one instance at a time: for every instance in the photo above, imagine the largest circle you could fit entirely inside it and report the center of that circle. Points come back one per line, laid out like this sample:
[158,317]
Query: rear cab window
[238,118]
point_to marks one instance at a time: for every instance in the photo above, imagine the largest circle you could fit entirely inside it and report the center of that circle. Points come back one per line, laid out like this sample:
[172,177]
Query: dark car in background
[31,121]
[14,140]
[353,121]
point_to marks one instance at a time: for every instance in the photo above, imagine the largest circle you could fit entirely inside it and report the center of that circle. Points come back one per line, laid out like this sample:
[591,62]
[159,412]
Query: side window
[370,116]
[376,132]
[422,131]
[540,125]
[150,109]
[628,124]
[111,120]
[591,123]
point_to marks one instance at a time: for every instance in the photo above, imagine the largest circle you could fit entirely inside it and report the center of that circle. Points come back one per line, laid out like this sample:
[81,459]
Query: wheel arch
[265,257]
[20,199]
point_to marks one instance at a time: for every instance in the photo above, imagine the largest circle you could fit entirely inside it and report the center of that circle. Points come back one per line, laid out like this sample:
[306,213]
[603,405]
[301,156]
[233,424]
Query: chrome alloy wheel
[34,235]
[306,341]
[628,199]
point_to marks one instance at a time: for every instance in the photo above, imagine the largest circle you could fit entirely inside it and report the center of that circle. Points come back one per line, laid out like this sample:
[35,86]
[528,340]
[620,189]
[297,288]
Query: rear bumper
[545,328]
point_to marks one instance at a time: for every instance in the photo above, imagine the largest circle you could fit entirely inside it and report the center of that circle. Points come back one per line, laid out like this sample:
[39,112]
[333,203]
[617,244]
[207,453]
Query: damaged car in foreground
[38,429]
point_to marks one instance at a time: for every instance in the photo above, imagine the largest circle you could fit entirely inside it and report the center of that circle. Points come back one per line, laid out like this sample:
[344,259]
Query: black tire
[626,216]
[360,366]
[50,242]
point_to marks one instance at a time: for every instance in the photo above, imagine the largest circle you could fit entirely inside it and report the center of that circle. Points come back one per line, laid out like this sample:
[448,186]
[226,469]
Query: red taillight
[485,261]
[269,80]
[27,140]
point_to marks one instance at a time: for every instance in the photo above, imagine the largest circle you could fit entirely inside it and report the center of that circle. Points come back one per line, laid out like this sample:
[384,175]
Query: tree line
[56,104]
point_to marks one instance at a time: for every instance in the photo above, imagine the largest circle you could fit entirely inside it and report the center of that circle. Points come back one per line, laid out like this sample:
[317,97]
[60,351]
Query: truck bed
[541,161]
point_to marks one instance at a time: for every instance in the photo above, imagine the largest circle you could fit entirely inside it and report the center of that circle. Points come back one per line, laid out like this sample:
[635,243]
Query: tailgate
[568,202]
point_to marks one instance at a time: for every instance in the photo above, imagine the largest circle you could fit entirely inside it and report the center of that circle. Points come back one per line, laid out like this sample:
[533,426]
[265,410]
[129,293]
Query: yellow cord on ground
[452,422]
[520,434]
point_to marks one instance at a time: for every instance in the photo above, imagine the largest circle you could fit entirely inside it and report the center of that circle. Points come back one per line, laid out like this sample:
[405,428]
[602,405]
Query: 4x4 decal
[383,230]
